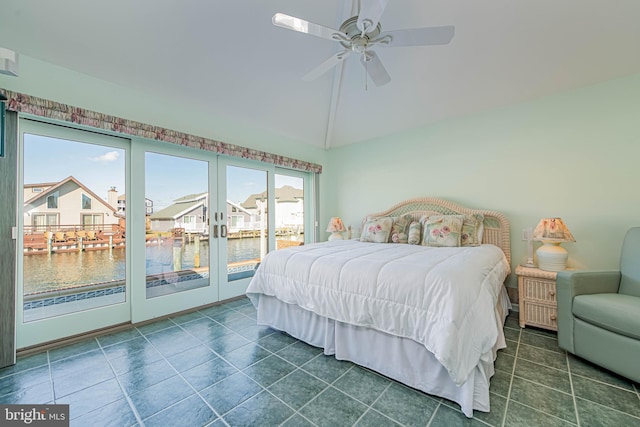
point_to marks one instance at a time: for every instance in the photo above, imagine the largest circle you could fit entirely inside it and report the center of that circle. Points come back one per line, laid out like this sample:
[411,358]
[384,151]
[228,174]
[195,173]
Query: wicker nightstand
[537,298]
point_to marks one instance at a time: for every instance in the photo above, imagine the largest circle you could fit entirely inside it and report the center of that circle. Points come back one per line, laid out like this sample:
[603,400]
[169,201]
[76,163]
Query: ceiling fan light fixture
[360,34]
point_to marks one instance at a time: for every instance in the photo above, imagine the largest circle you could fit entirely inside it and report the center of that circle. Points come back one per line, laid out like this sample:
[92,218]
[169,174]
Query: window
[43,222]
[237,221]
[90,221]
[86,202]
[52,201]
[189,219]
[36,190]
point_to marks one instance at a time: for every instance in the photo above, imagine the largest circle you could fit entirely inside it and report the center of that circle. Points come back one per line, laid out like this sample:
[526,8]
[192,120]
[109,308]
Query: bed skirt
[401,359]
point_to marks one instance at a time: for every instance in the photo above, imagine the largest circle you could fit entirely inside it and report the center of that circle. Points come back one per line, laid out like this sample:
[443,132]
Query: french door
[265,208]
[245,221]
[173,237]
[73,270]
[125,230]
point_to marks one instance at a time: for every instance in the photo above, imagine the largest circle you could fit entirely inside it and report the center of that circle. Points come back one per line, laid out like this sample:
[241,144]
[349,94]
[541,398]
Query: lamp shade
[551,232]
[335,227]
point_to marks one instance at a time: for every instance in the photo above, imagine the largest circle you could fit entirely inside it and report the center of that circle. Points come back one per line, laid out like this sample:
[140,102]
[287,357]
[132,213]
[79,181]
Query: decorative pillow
[376,230]
[415,232]
[472,230]
[400,229]
[442,230]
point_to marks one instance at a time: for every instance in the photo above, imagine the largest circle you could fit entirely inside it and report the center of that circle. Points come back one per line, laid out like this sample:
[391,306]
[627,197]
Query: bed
[428,315]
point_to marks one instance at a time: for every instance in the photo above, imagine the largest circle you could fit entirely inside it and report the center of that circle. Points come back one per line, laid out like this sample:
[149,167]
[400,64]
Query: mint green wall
[575,155]
[48,81]
[505,159]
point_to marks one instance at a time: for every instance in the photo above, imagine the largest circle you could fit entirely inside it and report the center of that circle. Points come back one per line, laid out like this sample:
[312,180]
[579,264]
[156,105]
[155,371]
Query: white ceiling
[225,58]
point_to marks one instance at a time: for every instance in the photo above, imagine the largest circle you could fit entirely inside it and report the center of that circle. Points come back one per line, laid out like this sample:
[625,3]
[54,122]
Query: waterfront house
[121,203]
[188,212]
[239,218]
[65,205]
[289,212]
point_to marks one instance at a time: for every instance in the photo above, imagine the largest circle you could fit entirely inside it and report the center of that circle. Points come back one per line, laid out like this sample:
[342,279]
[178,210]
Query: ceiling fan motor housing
[358,42]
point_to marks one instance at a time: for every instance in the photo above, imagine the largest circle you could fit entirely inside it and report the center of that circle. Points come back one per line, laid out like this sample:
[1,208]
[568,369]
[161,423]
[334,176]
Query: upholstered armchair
[599,312]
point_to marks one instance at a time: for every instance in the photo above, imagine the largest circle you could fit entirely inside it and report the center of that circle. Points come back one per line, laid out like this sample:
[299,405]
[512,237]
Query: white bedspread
[443,298]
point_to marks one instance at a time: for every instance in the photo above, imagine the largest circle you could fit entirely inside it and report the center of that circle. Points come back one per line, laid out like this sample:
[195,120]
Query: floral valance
[54,110]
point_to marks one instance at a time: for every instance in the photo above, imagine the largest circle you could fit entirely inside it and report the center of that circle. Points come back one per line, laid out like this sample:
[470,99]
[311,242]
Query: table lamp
[551,232]
[336,228]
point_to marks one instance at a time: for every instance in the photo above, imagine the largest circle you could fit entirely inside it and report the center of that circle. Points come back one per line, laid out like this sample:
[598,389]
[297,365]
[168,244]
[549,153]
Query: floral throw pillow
[442,230]
[472,230]
[400,229]
[376,230]
[415,233]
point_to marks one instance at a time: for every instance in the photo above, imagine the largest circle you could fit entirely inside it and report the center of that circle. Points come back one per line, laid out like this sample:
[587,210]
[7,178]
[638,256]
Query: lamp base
[335,236]
[552,257]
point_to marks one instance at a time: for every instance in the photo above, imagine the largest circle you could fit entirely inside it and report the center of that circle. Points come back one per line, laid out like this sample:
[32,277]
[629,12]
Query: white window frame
[90,202]
[56,197]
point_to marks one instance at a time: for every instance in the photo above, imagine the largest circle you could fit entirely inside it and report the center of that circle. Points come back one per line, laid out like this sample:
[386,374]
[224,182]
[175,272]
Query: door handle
[215,231]
[223,230]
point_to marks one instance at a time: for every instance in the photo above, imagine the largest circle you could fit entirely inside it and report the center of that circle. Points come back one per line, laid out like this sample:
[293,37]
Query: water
[62,270]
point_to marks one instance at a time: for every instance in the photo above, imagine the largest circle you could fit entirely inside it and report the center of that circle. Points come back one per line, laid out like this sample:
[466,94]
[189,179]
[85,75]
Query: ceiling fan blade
[326,65]
[416,36]
[302,26]
[375,69]
[369,14]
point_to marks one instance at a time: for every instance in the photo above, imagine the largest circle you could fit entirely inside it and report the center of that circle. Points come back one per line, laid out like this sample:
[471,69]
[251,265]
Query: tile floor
[215,367]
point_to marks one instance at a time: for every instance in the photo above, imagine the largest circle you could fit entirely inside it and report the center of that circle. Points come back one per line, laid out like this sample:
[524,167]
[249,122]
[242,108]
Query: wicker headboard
[496,225]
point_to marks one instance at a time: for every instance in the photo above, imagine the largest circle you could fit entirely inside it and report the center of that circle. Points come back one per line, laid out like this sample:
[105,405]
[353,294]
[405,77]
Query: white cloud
[111,156]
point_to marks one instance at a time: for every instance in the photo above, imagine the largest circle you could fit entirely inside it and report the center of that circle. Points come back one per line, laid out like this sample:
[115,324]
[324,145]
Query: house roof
[57,185]
[177,210]
[239,207]
[191,197]
[284,194]
[40,184]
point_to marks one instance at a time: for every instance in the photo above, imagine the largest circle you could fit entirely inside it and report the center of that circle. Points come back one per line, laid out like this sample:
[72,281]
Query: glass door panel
[177,231]
[246,222]
[64,273]
[70,281]
[289,211]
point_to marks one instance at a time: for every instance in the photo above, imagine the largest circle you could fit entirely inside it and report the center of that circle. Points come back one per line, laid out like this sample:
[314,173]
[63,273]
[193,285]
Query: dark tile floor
[216,367]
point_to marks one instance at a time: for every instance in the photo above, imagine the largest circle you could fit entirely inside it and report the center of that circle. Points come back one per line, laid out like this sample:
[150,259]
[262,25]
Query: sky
[167,178]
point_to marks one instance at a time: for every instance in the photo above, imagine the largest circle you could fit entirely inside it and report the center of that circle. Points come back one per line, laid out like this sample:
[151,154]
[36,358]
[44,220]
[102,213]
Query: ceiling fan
[359,34]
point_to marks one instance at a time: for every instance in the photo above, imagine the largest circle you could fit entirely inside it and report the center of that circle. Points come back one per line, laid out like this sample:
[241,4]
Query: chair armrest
[588,282]
[572,283]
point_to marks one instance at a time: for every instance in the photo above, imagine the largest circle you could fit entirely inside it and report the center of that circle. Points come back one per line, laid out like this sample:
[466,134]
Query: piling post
[196,251]
[177,254]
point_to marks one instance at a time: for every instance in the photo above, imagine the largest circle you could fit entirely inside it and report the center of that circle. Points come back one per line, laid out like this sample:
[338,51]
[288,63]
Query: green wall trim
[8,183]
